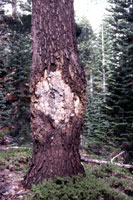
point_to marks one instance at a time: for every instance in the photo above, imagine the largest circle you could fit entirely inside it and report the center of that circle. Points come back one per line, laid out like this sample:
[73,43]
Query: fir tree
[15,71]
[120,88]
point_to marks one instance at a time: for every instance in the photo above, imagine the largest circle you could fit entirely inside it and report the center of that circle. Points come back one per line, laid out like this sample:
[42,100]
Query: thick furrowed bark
[58,93]
[58,158]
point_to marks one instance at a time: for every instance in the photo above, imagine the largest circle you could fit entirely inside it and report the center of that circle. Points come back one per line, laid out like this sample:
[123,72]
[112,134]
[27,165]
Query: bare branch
[117,156]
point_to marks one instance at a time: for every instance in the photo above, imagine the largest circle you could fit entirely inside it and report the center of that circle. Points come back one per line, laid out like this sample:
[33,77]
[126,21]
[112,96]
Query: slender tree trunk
[14,7]
[103,65]
[58,93]
[91,83]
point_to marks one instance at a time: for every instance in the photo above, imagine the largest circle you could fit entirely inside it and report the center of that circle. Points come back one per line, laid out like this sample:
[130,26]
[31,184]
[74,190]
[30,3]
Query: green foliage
[120,183]
[108,60]
[106,171]
[90,48]
[78,187]
[18,158]
[15,75]
[84,38]
[103,172]
[119,104]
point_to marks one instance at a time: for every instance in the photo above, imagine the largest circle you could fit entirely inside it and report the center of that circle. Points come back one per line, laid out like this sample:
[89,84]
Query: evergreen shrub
[76,188]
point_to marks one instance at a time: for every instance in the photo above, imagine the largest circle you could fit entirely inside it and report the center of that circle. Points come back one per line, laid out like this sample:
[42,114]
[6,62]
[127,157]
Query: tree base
[53,162]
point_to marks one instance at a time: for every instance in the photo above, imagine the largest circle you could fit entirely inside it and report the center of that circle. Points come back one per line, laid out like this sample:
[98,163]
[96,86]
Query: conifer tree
[90,48]
[120,87]
[15,68]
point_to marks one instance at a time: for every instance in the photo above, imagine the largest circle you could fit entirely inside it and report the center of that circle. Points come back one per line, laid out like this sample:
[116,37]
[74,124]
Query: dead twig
[117,156]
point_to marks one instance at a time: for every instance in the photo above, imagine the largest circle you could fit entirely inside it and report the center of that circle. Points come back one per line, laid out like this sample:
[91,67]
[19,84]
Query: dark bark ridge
[58,93]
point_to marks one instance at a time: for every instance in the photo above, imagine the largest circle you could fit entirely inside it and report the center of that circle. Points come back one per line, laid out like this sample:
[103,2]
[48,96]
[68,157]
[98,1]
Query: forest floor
[14,162]
[13,165]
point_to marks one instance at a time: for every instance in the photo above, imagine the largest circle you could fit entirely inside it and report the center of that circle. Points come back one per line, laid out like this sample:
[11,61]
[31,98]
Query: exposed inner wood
[54,97]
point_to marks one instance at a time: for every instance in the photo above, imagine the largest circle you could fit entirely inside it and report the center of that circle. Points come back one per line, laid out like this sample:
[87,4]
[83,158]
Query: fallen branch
[16,147]
[13,147]
[87,160]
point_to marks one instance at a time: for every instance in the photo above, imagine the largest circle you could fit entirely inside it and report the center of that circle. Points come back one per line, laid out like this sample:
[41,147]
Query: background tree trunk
[58,93]
[14,7]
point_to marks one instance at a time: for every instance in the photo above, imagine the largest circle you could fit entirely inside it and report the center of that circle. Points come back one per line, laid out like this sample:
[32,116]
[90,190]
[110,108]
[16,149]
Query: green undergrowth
[76,188]
[105,182]
[17,159]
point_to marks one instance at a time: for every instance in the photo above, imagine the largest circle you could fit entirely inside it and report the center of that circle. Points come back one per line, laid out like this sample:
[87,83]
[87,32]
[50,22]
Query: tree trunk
[58,93]
[103,66]
[14,7]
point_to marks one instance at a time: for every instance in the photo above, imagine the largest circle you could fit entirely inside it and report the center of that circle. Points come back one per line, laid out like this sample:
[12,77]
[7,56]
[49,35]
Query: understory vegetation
[101,181]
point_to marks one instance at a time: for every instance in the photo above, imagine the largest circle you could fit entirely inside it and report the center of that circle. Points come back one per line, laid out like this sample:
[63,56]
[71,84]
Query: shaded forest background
[107,57]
